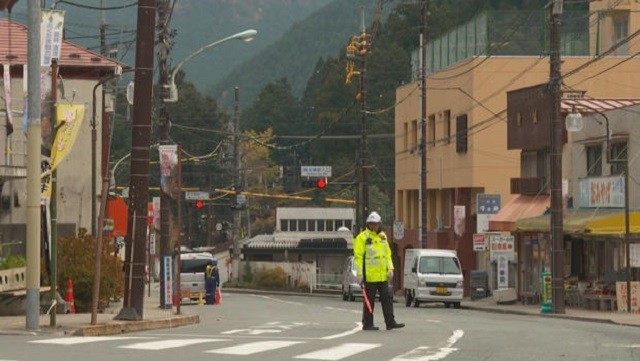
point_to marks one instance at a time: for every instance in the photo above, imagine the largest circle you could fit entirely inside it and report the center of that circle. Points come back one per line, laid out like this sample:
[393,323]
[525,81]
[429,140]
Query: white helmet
[374,217]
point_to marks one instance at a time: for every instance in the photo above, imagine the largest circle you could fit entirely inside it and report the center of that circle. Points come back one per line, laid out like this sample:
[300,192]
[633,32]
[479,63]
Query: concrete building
[470,75]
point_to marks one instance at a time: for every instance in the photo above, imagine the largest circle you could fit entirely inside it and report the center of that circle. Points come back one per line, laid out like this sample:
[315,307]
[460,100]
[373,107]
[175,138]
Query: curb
[120,327]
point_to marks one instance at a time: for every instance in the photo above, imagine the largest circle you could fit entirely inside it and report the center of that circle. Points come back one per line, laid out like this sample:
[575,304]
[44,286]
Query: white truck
[432,275]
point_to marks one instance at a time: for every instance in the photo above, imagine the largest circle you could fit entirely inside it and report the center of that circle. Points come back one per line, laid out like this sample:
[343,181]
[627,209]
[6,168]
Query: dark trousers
[382,288]
[210,287]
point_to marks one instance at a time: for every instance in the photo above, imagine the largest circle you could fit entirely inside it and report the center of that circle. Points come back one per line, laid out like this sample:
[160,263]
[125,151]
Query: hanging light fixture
[573,121]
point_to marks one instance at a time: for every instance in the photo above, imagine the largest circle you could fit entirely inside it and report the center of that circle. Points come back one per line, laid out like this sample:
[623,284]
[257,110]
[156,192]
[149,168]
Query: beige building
[80,71]
[466,122]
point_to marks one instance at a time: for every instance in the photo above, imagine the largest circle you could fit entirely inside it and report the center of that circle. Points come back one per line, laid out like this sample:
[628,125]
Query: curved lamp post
[574,123]
[246,35]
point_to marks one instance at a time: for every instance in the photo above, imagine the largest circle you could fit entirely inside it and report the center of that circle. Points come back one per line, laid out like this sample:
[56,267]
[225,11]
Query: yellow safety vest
[373,255]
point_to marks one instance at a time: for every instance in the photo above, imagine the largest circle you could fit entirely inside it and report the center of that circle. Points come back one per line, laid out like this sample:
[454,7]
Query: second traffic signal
[320,183]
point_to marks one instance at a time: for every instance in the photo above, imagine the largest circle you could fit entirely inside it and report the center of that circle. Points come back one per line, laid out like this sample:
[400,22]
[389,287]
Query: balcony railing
[528,186]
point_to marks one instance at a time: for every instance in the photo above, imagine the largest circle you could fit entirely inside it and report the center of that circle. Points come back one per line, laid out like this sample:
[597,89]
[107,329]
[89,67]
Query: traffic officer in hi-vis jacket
[374,268]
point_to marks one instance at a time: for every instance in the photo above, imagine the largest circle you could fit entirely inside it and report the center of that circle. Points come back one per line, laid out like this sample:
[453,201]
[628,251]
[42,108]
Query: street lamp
[246,35]
[574,123]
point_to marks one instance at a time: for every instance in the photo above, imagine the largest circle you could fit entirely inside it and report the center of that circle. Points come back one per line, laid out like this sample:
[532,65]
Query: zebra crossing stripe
[165,344]
[78,340]
[339,352]
[254,347]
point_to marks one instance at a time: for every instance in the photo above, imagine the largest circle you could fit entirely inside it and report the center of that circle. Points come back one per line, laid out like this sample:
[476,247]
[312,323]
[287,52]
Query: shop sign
[621,295]
[503,273]
[479,242]
[545,281]
[601,192]
[501,246]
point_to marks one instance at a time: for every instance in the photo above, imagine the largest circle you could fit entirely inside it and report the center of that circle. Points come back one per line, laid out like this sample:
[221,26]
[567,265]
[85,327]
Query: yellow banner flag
[69,118]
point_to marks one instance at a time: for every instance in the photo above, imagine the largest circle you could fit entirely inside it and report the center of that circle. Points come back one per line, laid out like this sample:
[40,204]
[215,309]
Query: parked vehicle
[192,269]
[432,275]
[350,286]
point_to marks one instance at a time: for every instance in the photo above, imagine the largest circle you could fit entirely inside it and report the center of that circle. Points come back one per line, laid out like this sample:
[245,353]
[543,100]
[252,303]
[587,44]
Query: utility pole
[34,136]
[557,234]
[237,161]
[165,124]
[361,47]
[140,156]
[423,125]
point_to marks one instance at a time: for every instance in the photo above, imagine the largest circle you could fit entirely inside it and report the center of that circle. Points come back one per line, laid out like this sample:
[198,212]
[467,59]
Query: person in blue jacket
[211,281]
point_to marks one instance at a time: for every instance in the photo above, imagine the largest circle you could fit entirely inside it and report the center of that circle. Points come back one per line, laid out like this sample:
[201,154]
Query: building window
[461,133]
[406,136]
[320,225]
[447,126]
[302,225]
[594,160]
[621,25]
[431,130]
[618,157]
[414,134]
[311,225]
[293,225]
[347,223]
[284,225]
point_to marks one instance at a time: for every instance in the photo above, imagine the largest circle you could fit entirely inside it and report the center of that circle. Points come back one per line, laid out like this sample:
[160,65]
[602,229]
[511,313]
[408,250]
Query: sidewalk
[79,324]
[573,313]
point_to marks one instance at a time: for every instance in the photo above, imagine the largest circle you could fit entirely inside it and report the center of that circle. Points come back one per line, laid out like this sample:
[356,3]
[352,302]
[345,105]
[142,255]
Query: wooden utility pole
[140,156]
[557,232]
[423,126]
[164,120]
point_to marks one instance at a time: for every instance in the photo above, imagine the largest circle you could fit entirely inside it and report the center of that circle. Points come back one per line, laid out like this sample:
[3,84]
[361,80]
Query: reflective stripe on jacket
[373,255]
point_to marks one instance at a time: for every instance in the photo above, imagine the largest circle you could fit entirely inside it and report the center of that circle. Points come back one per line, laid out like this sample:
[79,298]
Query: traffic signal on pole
[321,183]
[199,204]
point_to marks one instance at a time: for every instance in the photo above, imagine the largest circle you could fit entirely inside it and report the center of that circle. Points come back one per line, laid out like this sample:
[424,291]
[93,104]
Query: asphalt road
[263,327]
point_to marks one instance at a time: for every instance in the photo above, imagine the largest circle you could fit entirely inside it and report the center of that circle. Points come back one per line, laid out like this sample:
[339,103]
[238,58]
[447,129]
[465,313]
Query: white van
[432,275]
[192,269]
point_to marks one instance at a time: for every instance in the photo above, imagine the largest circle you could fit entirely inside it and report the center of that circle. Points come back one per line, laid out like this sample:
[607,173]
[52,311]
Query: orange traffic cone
[69,296]
[218,297]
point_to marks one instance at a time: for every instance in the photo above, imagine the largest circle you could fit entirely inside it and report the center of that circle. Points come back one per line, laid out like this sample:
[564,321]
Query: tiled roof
[596,105]
[291,240]
[13,49]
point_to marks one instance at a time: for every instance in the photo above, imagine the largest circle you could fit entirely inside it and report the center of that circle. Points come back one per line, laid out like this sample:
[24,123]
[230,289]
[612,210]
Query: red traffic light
[199,204]
[321,183]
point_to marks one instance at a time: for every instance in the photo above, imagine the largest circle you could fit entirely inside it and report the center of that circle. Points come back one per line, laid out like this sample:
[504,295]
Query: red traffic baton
[366,299]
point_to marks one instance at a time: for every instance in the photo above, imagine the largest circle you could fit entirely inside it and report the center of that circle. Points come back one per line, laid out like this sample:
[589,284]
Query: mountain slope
[324,33]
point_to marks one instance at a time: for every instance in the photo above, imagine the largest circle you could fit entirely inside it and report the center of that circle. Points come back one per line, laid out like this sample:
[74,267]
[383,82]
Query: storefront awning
[518,208]
[585,221]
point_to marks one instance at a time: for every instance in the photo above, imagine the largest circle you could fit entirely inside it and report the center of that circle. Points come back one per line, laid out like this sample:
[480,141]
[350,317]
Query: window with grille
[618,157]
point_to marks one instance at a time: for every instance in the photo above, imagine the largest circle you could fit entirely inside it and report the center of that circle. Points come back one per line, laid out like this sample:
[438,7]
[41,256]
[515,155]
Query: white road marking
[248,331]
[339,352]
[78,340]
[346,333]
[253,347]
[165,344]
[343,309]
[619,345]
[278,300]
[425,354]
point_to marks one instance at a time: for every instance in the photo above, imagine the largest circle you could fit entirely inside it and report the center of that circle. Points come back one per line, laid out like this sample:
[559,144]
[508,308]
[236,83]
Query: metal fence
[506,33]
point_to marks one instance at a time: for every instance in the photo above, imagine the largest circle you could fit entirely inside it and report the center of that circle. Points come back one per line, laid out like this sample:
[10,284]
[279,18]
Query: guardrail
[13,279]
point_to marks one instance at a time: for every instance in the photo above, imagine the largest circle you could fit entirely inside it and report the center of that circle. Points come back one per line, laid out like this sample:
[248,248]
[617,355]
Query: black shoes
[395,325]
[370,328]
